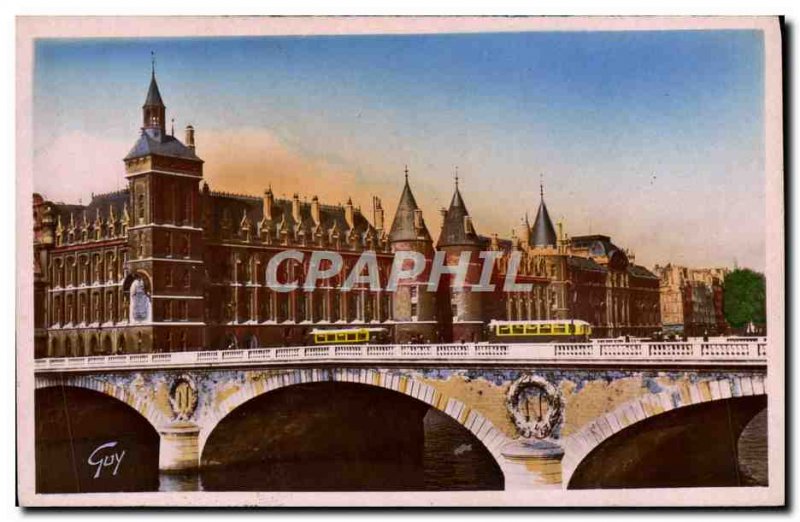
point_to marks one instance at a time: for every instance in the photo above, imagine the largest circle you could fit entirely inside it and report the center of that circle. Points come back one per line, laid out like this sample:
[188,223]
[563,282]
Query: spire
[407,226]
[543,233]
[457,228]
[153,94]
[153,110]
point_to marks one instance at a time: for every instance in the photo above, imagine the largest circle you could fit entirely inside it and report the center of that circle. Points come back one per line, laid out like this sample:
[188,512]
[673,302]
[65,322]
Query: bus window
[558,328]
[340,337]
[518,329]
[503,330]
[571,329]
[362,336]
[331,338]
[544,329]
[351,337]
[530,329]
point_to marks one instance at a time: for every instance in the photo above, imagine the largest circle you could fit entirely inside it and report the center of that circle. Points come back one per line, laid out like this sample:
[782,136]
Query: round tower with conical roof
[413,306]
[463,307]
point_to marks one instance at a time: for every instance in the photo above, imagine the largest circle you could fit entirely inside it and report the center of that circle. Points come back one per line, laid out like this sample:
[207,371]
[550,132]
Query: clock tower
[165,262]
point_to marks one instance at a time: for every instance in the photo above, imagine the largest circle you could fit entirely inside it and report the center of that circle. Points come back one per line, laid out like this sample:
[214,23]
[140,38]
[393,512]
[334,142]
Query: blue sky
[655,138]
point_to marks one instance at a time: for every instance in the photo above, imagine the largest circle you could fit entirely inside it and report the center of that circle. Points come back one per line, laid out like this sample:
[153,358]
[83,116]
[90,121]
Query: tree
[745,298]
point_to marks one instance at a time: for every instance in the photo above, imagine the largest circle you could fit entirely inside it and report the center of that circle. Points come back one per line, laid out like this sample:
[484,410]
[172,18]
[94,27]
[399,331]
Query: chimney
[315,210]
[269,201]
[296,207]
[377,213]
[349,215]
[189,137]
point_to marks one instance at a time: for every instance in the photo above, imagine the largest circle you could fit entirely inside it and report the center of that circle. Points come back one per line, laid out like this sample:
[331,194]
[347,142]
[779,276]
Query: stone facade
[692,300]
[583,277]
[166,264]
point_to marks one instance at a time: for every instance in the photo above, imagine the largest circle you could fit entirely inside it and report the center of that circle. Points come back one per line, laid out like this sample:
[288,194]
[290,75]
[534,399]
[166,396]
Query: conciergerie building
[167,264]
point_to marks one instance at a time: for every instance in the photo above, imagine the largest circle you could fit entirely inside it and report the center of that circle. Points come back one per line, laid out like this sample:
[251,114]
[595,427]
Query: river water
[452,460]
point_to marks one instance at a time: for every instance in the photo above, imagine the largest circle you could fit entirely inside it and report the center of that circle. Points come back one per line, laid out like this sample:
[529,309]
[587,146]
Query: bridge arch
[581,444]
[144,407]
[492,438]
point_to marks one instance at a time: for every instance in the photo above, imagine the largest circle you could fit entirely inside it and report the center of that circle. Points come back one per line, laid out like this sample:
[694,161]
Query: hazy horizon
[653,138]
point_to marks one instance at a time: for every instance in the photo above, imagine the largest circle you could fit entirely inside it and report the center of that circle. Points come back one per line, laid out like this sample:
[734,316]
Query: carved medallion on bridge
[183,397]
[535,406]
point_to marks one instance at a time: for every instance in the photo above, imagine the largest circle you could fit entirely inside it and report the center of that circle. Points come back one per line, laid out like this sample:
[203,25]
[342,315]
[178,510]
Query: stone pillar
[533,465]
[179,449]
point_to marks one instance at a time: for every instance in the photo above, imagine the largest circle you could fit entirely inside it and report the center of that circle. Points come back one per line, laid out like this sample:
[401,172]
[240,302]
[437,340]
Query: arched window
[121,344]
[187,279]
[68,348]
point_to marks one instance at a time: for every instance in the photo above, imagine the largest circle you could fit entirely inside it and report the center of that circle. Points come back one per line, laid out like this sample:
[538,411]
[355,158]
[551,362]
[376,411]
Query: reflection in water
[452,460]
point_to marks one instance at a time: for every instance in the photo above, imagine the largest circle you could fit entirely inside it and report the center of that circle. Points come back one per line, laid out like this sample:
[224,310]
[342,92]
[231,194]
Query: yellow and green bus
[557,330]
[349,336]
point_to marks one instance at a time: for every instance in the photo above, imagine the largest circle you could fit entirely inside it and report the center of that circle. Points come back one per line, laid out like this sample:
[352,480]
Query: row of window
[299,307]
[173,310]
[88,308]
[178,206]
[88,269]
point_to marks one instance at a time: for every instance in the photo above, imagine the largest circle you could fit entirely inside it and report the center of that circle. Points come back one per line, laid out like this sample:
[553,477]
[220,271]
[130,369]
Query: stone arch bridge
[589,400]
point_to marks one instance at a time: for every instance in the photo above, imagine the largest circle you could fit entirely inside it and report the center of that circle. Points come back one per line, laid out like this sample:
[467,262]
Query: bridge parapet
[633,353]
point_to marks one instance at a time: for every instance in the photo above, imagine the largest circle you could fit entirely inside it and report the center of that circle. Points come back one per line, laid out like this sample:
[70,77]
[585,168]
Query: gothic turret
[408,224]
[460,310]
[413,306]
[543,233]
[457,228]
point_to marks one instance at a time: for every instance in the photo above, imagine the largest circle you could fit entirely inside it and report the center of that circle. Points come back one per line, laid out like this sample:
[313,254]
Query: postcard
[401,261]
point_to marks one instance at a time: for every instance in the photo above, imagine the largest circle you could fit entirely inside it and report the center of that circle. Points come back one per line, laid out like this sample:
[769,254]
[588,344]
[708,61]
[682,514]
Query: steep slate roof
[235,207]
[606,247]
[153,95]
[101,202]
[403,228]
[155,140]
[543,233]
[161,145]
[640,271]
[585,264]
[454,229]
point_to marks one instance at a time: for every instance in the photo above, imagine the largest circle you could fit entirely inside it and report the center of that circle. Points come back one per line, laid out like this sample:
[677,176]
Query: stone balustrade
[625,353]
